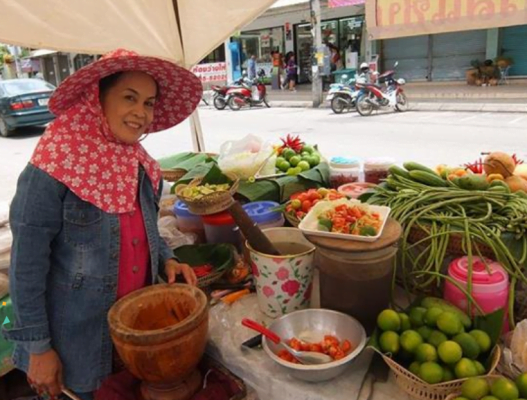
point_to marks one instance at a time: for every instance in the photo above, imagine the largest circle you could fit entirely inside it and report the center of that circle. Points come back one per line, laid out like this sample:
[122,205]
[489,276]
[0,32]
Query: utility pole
[317,55]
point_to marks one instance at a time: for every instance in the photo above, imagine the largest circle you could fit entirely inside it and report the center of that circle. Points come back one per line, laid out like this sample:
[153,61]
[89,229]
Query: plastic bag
[245,157]
[170,233]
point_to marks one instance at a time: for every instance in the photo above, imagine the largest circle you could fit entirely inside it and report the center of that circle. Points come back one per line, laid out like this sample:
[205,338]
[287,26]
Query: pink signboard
[343,3]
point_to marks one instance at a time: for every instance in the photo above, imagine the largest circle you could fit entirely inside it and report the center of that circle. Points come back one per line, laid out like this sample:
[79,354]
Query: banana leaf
[186,161]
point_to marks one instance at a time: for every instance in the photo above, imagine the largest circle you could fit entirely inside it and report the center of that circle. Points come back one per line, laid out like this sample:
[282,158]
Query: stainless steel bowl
[311,325]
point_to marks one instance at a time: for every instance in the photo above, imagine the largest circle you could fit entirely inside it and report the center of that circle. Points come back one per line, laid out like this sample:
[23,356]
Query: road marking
[516,120]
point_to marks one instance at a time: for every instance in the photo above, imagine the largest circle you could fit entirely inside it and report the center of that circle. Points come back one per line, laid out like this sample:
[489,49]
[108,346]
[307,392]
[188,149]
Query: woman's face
[128,105]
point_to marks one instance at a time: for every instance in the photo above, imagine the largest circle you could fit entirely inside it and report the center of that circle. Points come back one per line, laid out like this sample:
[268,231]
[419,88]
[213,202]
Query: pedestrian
[84,217]
[251,67]
[291,73]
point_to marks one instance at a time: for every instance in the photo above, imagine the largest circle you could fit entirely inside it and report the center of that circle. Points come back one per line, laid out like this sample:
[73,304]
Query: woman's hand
[45,373]
[173,268]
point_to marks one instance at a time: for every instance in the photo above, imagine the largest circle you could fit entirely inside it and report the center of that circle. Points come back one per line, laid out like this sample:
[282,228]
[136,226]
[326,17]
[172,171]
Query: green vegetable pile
[494,219]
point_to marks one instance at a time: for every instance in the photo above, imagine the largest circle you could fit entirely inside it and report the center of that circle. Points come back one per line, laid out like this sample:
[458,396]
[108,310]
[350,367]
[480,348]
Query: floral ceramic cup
[283,283]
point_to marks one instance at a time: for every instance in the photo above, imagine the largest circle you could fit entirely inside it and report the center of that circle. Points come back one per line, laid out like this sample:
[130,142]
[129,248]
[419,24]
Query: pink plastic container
[490,290]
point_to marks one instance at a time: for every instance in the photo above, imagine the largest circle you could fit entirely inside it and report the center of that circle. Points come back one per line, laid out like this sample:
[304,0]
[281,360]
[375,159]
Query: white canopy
[184,31]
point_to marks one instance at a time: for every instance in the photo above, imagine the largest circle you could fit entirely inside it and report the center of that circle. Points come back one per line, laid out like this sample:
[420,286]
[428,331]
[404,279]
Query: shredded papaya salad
[353,220]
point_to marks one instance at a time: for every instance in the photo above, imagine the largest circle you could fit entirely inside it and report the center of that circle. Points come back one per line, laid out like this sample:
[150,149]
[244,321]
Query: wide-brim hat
[179,89]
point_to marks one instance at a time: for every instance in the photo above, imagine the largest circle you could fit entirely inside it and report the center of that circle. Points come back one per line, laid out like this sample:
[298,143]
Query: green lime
[449,323]
[389,320]
[315,160]
[480,368]
[425,332]
[460,397]
[450,352]
[296,204]
[465,368]
[482,338]
[405,322]
[294,171]
[504,389]
[389,342]
[436,338]
[279,160]
[308,149]
[288,153]
[417,315]
[468,344]
[294,160]
[284,166]
[431,372]
[414,368]
[431,316]
[303,165]
[448,375]
[410,340]
[475,388]
[490,398]
[425,352]
[521,383]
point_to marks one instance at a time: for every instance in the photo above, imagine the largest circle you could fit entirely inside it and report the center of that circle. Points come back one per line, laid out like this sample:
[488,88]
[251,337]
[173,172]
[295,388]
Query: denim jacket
[63,274]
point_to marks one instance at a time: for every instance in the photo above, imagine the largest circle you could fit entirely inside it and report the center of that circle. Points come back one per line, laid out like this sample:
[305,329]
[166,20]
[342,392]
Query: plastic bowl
[311,325]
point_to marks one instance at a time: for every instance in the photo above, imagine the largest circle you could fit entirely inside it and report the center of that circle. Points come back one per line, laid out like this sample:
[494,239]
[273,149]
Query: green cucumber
[429,302]
[395,170]
[427,178]
[473,182]
[413,166]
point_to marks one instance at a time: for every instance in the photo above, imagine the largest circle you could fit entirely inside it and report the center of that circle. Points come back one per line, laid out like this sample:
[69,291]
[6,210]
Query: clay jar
[160,333]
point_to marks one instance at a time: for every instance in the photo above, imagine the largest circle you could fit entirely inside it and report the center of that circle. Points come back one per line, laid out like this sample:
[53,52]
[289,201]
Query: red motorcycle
[220,93]
[251,95]
[375,97]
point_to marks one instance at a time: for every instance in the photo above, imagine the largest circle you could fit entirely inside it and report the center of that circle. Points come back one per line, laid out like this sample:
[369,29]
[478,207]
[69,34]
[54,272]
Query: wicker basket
[173,175]
[455,247]
[212,203]
[457,393]
[418,389]
[293,220]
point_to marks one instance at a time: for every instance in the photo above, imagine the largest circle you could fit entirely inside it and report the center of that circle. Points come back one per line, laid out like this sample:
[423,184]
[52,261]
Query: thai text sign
[211,72]
[343,3]
[396,18]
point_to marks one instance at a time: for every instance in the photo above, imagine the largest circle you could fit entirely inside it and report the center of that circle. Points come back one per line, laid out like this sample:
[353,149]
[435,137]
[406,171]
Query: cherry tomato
[306,206]
[345,346]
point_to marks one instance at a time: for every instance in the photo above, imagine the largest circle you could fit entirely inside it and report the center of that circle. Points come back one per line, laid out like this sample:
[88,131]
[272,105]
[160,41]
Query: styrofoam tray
[309,224]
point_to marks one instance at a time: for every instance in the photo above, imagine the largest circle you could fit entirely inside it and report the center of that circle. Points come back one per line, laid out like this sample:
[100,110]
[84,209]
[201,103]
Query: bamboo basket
[173,175]
[457,393]
[211,203]
[418,389]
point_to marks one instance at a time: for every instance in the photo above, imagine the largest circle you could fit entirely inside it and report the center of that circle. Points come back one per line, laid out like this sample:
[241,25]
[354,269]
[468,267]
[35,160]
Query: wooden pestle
[251,230]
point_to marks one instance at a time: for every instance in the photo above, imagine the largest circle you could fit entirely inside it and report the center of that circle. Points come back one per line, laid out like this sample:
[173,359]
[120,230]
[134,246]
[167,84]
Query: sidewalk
[433,96]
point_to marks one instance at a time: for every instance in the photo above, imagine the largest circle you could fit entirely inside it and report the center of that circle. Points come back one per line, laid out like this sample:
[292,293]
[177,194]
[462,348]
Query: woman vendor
[84,217]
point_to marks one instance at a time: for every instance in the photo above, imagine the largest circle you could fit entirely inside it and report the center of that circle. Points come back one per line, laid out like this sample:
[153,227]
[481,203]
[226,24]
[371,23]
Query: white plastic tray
[309,224]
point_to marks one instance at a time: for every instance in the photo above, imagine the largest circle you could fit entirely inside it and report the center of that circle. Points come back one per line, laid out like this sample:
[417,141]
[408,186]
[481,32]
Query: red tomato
[300,214]
[295,344]
[304,346]
[316,347]
[306,206]
[303,197]
[345,346]
[314,196]
[315,202]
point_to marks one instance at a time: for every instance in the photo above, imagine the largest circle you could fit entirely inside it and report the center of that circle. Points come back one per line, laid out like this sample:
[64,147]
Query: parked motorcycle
[251,95]
[342,96]
[376,97]
[220,92]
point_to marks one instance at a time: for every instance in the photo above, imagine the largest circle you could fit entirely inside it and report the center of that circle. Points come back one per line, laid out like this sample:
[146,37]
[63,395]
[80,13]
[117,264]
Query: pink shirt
[134,255]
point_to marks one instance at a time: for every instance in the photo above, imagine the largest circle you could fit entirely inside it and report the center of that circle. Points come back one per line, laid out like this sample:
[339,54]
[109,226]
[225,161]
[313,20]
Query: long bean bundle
[490,219]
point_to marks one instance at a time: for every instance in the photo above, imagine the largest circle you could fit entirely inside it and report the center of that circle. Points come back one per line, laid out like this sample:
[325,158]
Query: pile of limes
[495,389]
[294,163]
[434,341]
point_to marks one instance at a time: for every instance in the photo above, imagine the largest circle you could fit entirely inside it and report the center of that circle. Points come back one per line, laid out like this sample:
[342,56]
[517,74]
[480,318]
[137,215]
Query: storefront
[261,43]
[513,46]
[345,34]
[439,57]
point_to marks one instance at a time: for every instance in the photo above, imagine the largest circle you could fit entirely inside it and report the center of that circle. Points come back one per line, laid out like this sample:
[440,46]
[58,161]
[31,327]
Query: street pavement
[428,137]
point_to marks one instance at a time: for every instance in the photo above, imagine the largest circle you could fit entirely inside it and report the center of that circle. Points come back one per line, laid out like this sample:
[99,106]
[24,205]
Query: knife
[377,372]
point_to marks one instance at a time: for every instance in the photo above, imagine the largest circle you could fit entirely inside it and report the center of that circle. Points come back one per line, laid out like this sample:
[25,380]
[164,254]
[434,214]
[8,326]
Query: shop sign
[344,3]
[397,18]
[211,72]
[265,40]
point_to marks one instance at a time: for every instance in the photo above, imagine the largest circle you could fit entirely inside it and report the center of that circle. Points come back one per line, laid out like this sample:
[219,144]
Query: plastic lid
[344,162]
[482,280]
[181,210]
[261,211]
[223,218]
[379,163]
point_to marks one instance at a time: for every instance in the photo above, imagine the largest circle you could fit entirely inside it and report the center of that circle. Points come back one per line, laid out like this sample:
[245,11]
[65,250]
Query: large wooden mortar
[160,333]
